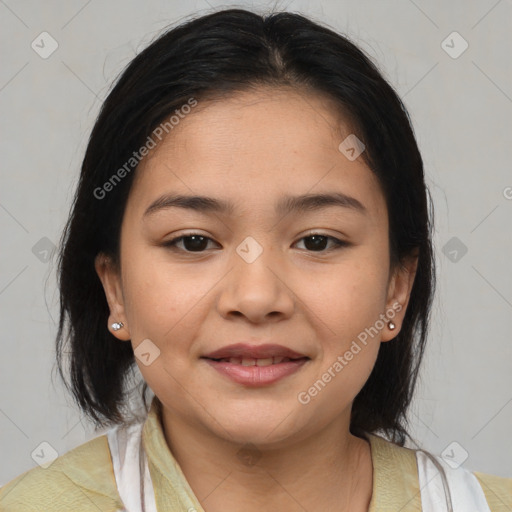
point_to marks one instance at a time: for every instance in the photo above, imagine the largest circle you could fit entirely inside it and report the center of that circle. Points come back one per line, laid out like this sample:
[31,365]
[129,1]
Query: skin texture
[251,149]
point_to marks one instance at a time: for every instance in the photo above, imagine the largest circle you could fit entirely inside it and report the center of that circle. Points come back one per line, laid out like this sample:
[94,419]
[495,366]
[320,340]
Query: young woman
[252,230]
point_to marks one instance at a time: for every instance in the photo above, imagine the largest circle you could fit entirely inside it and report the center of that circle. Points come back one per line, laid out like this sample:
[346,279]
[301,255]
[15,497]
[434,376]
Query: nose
[256,289]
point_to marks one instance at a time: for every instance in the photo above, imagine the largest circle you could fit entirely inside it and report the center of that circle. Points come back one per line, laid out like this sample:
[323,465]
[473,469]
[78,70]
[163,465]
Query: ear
[111,280]
[399,292]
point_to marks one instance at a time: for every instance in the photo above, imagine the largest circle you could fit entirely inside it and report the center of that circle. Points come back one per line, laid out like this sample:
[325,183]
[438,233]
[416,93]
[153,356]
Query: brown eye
[191,243]
[195,242]
[317,243]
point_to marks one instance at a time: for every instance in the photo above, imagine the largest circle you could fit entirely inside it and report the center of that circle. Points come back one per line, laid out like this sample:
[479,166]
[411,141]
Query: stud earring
[116,326]
[391,325]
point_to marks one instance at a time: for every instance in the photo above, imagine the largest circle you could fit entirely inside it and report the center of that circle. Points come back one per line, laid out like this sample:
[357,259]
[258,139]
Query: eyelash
[338,244]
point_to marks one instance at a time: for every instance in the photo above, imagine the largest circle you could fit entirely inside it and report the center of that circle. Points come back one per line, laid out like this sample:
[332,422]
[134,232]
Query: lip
[256,376]
[254,351]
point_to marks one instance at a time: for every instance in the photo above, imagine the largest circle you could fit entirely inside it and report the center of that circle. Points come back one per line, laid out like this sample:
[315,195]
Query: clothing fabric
[131,469]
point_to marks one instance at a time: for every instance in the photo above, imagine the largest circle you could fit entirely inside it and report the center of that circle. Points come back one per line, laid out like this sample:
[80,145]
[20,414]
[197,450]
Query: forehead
[254,147]
[246,120]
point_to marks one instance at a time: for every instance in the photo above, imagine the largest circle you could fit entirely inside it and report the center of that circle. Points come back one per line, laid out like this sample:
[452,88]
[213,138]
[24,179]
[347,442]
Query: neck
[330,470]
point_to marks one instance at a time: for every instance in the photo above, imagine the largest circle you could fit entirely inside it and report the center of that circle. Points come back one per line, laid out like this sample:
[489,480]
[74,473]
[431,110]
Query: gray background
[461,109]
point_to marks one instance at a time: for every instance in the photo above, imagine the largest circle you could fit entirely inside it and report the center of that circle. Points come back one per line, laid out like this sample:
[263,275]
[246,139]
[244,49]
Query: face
[201,290]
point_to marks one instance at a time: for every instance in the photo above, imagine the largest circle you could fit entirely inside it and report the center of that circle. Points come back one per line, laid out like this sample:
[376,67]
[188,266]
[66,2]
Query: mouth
[255,366]
[251,361]
[248,351]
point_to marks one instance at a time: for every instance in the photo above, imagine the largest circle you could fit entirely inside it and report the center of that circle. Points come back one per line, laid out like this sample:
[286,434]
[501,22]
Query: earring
[391,325]
[116,326]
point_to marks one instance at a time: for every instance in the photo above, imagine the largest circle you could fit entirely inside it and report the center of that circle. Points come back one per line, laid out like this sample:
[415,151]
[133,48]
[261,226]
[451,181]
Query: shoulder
[497,489]
[468,490]
[81,479]
[433,479]
[395,476]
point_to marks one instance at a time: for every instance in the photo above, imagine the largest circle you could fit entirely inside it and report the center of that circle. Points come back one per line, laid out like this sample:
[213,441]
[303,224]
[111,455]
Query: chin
[262,425]
[258,435]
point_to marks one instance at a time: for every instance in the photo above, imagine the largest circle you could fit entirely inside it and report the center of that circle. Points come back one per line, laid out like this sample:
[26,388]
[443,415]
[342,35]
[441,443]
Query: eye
[192,242]
[317,242]
[196,242]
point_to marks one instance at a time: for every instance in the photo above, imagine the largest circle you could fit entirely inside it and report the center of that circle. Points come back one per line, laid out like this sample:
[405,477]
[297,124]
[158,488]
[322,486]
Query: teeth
[264,362]
[251,361]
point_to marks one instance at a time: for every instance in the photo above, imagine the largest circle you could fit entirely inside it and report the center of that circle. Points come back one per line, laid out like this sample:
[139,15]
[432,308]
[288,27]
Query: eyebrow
[287,204]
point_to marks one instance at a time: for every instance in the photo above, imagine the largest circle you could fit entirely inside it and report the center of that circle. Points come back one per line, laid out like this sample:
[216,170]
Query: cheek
[161,296]
[147,290]
[350,296]
[345,323]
